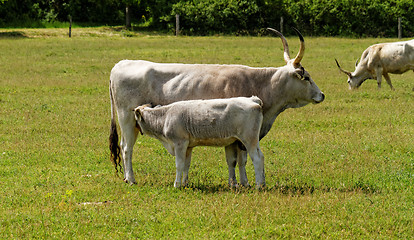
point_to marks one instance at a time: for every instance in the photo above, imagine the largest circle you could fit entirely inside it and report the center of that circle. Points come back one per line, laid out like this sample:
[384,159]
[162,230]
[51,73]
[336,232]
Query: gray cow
[183,125]
[134,83]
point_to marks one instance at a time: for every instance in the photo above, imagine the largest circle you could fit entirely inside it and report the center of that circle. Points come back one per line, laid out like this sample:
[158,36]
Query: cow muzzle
[353,85]
[319,98]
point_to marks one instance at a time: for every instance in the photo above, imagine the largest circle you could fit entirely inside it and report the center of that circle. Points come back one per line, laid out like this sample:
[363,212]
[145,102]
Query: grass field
[342,169]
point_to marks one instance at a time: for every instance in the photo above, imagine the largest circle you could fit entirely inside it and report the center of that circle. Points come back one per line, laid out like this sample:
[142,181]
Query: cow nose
[320,98]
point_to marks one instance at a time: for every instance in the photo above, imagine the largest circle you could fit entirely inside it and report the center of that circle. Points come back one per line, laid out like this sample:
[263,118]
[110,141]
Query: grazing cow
[183,125]
[134,83]
[380,59]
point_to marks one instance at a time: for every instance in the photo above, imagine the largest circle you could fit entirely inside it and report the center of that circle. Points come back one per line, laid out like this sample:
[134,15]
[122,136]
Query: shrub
[351,17]
[313,17]
[217,16]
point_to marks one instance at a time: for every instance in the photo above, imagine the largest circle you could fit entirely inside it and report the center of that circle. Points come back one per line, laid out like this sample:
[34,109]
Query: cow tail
[113,137]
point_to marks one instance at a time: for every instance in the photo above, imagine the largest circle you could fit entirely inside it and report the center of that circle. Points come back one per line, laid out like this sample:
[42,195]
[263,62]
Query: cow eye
[306,78]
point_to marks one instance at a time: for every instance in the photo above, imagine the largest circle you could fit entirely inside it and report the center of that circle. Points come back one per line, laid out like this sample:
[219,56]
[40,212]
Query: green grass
[341,169]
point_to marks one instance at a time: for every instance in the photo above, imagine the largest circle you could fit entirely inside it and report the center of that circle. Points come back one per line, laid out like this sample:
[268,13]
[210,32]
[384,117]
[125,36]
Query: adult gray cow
[183,125]
[380,59]
[134,83]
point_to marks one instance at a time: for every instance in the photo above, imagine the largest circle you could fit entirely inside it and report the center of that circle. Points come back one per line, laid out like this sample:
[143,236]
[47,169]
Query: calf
[183,125]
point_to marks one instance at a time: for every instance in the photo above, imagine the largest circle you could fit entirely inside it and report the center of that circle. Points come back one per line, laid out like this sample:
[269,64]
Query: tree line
[356,18]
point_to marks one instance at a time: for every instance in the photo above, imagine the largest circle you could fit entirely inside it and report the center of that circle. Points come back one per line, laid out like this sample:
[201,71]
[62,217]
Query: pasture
[340,169]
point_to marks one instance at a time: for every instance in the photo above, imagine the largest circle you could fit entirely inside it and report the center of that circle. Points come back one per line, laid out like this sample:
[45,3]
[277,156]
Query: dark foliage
[206,17]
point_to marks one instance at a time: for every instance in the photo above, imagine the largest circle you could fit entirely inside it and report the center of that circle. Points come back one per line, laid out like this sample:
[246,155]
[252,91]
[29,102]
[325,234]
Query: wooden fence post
[399,28]
[177,25]
[281,25]
[70,26]
[127,18]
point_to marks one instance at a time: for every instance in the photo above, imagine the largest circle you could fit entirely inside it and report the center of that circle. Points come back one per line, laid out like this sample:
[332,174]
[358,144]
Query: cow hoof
[261,187]
[130,182]
[245,185]
[233,185]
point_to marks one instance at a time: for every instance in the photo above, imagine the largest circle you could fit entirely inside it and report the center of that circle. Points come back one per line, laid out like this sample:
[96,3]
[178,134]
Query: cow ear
[298,73]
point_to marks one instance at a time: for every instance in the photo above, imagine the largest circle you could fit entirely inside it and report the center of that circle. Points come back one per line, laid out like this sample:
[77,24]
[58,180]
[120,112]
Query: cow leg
[388,79]
[129,135]
[258,162]
[379,77]
[242,161]
[187,165]
[180,149]
[231,158]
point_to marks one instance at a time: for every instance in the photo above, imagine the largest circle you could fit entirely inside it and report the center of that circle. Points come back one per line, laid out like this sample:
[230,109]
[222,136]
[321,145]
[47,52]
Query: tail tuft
[114,147]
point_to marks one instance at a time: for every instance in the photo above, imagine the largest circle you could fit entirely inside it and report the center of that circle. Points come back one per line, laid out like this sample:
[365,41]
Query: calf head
[138,116]
[296,80]
[138,112]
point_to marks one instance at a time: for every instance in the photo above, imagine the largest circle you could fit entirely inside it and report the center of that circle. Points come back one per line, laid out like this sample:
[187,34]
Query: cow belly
[400,70]
[217,142]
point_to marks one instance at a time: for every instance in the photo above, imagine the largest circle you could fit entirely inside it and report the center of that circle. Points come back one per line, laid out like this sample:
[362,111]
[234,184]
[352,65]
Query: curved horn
[301,52]
[346,72]
[286,55]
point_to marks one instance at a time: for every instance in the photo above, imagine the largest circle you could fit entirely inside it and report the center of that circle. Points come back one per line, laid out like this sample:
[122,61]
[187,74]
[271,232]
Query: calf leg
[258,162]
[180,149]
[388,79]
[187,165]
[231,158]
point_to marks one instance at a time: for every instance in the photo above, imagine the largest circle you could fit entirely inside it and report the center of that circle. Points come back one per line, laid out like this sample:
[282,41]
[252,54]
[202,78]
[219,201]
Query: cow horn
[346,72]
[301,52]
[286,55]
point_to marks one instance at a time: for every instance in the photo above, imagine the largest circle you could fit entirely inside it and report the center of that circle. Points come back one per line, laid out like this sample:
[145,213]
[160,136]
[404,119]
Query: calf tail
[113,137]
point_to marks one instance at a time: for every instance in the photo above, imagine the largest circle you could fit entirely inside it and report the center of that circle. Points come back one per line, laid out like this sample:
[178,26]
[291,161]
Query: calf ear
[138,115]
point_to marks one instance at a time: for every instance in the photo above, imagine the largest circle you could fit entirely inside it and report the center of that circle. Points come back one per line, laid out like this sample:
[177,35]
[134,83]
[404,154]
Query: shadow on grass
[307,189]
[288,189]
[13,34]
[207,188]
[285,189]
